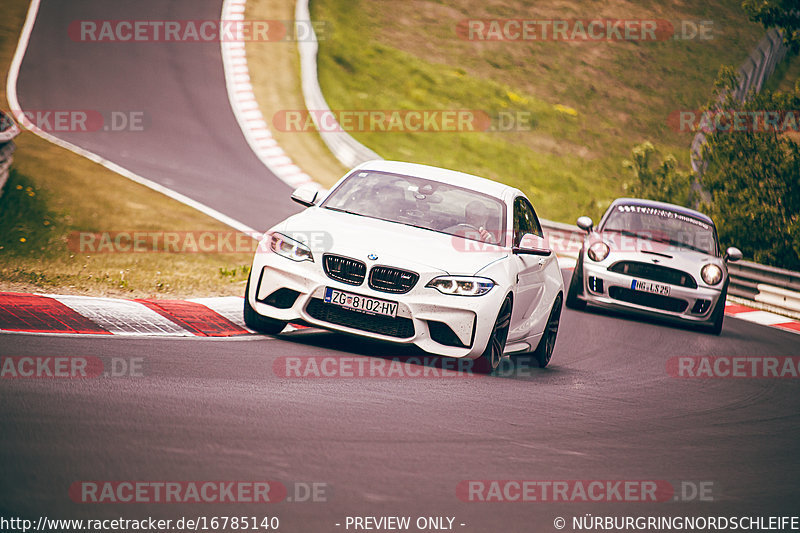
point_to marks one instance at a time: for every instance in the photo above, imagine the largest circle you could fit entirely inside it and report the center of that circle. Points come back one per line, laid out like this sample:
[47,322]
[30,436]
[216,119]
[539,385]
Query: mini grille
[654,273]
[656,301]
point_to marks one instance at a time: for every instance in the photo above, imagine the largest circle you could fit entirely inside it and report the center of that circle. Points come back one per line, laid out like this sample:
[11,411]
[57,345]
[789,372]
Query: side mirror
[586,224]
[531,244]
[733,254]
[305,195]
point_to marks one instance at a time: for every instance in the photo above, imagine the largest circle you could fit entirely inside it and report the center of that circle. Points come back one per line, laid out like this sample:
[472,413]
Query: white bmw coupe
[407,253]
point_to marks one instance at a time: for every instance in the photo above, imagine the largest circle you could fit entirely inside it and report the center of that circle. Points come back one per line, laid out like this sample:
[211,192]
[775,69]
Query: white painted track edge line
[13,101]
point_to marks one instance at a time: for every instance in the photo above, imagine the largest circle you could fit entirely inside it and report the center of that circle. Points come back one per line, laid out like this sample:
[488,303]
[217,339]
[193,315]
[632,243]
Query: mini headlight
[289,248]
[598,251]
[711,273]
[461,285]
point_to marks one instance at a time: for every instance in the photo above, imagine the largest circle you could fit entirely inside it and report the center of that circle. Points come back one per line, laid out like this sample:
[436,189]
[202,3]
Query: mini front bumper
[419,311]
[614,290]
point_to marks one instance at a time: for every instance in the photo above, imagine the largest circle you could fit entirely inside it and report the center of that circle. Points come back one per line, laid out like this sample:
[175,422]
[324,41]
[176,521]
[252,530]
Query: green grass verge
[590,102]
[52,193]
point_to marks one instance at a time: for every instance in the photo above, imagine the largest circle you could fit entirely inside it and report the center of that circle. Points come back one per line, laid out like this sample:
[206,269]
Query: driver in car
[476,218]
[387,201]
[477,215]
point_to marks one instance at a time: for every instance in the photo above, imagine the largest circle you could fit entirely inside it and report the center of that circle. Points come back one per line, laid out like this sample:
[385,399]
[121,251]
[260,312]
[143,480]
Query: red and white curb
[765,318]
[198,317]
[245,107]
[86,315]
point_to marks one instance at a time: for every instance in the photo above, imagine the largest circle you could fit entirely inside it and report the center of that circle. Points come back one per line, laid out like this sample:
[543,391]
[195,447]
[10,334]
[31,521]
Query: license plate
[649,286]
[364,304]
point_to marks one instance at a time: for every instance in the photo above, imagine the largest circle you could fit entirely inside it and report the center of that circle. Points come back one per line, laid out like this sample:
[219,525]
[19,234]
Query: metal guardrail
[344,147]
[8,130]
[777,289]
[756,69]
[774,287]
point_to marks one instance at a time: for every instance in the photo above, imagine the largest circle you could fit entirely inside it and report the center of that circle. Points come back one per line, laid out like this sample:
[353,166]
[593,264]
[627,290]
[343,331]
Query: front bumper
[289,291]
[614,290]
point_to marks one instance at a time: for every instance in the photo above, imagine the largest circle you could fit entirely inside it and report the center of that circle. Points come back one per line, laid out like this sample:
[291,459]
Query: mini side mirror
[733,254]
[586,224]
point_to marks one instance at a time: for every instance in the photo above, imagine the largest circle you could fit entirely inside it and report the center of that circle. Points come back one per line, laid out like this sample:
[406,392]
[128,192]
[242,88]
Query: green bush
[665,183]
[753,176]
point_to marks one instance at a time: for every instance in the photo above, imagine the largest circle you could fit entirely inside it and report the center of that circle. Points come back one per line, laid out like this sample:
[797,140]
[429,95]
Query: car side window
[530,214]
[521,220]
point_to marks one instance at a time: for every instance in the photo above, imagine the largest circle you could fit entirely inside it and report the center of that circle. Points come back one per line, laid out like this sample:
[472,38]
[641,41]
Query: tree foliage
[783,14]
[664,183]
[753,174]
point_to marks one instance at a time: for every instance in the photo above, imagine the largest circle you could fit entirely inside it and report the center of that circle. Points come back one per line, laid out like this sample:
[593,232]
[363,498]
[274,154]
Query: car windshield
[663,225]
[421,203]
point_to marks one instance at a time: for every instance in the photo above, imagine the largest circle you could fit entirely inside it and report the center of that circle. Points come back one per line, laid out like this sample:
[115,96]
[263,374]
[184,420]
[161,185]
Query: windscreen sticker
[663,213]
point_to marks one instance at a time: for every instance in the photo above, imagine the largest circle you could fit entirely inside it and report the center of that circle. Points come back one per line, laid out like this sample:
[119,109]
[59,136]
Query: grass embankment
[53,193]
[591,102]
[275,76]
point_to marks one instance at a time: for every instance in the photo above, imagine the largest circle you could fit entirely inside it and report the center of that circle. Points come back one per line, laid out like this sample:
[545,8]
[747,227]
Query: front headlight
[711,273]
[289,248]
[461,285]
[598,251]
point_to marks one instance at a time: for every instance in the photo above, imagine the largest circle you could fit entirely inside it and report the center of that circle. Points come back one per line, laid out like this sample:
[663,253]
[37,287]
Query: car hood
[659,253]
[394,244]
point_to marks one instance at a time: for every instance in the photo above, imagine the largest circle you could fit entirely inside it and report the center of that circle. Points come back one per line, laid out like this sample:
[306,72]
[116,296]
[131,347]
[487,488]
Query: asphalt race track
[606,408]
[203,409]
[189,142]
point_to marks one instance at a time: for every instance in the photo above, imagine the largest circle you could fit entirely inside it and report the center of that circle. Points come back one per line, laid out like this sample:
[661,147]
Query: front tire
[490,358]
[576,286]
[719,313]
[544,351]
[256,322]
